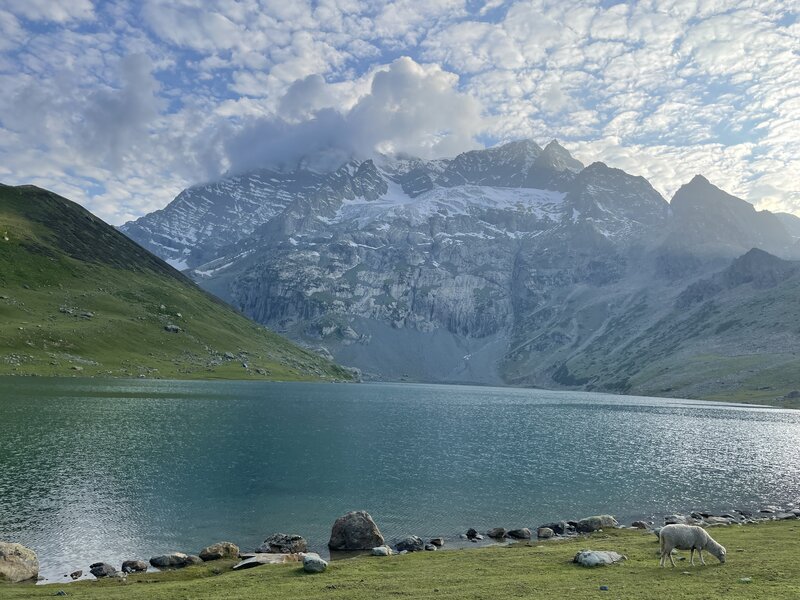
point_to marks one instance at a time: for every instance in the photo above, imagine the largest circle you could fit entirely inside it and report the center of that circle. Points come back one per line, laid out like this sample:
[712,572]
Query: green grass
[58,262]
[766,553]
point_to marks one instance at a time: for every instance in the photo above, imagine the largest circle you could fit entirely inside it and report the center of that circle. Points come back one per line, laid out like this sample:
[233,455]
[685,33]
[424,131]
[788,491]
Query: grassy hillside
[79,298]
[761,565]
[734,336]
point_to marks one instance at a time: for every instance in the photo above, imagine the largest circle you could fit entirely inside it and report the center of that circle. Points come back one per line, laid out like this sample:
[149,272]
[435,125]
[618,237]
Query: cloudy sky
[121,104]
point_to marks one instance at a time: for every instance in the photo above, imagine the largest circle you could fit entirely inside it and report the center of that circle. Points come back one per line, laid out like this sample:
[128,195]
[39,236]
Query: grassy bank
[765,553]
[79,298]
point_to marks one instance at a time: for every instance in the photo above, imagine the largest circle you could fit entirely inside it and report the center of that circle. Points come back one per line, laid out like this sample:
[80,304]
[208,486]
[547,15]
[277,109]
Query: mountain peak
[555,157]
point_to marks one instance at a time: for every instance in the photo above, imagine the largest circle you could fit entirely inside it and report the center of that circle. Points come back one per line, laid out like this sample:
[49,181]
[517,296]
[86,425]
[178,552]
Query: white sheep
[688,537]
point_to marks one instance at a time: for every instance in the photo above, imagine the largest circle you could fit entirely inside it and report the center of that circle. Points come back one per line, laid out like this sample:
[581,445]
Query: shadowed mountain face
[77,296]
[513,265]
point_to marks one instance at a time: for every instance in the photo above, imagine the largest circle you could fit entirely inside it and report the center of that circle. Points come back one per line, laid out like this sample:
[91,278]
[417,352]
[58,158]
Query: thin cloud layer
[121,104]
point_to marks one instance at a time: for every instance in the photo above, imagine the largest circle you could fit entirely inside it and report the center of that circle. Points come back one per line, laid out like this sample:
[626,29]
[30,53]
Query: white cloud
[409,108]
[48,10]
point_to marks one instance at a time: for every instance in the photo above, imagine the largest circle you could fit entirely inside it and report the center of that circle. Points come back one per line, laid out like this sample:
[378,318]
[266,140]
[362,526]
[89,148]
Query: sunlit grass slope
[79,298]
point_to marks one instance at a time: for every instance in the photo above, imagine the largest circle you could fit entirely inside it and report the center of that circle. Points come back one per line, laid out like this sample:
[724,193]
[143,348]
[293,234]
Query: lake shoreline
[557,532]
[759,566]
[785,402]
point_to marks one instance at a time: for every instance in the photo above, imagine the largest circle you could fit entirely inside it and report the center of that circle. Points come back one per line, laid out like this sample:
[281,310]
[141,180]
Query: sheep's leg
[703,562]
[671,558]
[691,557]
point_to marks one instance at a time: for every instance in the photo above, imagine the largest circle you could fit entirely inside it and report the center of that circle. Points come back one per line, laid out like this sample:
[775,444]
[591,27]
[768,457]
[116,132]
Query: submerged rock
[17,563]
[284,543]
[355,531]
[596,558]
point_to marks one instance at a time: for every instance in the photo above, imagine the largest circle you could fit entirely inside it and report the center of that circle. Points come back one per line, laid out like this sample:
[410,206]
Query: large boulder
[355,531]
[313,563]
[175,560]
[283,543]
[596,523]
[17,563]
[544,533]
[497,533]
[219,550]
[597,558]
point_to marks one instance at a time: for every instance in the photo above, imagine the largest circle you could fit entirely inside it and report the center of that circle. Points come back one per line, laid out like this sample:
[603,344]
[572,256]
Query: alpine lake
[108,470]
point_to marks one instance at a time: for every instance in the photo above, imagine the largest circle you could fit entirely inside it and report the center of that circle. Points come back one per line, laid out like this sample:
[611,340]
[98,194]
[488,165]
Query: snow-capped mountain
[514,264]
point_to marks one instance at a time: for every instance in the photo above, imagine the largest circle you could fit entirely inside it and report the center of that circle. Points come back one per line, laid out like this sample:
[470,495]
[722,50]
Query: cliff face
[509,265]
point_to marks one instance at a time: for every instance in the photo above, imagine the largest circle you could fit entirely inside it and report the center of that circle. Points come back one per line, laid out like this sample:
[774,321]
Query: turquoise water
[110,470]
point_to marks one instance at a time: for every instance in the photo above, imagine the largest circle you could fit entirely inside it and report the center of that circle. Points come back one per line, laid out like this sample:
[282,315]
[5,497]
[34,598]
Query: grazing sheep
[688,537]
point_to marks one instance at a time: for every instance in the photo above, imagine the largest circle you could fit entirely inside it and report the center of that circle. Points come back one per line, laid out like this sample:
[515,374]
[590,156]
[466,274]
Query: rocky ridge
[511,265]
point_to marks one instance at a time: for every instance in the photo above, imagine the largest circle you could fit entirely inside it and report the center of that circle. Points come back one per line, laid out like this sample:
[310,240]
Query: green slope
[734,336]
[79,298]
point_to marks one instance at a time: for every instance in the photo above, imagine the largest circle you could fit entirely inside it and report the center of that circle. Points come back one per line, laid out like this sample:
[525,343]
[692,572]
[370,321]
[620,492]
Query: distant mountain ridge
[78,297]
[511,265]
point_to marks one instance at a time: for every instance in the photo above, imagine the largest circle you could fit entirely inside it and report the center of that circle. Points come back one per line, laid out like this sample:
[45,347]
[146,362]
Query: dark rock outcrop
[355,531]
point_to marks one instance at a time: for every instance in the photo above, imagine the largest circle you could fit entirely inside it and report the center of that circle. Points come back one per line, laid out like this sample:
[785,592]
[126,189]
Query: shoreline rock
[17,563]
[355,531]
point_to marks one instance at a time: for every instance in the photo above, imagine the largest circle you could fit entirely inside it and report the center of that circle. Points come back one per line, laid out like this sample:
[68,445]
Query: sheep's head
[718,550]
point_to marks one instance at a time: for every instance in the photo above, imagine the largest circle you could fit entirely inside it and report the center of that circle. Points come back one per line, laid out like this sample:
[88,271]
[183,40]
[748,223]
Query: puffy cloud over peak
[409,108]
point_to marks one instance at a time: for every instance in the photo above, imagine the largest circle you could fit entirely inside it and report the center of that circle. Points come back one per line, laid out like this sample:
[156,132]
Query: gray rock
[520,534]
[134,566]
[560,528]
[355,531]
[717,521]
[259,558]
[437,541]
[639,525]
[76,574]
[220,550]
[596,558]
[783,516]
[229,355]
[17,563]
[471,533]
[412,543]
[313,563]
[172,328]
[544,533]
[381,551]
[595,523]
[101,570]
[284,543]
[431,547]
[175,560]
[497,533]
